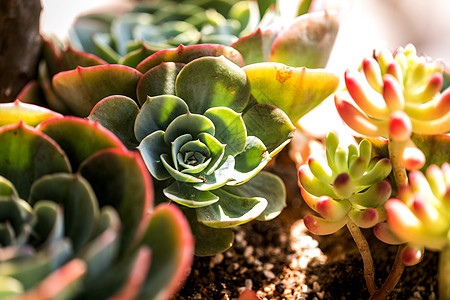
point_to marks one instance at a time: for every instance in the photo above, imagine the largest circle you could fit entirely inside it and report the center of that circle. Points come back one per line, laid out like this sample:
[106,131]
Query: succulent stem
[444,270]
[393,278]
[364,250]
[395,155]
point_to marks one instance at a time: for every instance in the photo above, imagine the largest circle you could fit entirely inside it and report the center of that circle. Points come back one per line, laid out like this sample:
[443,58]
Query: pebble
[248,251]
[269,274]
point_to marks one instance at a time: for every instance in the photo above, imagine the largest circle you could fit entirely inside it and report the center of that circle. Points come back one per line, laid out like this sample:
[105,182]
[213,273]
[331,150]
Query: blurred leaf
[256,47]
[296,91]
[435,147]
[30,114]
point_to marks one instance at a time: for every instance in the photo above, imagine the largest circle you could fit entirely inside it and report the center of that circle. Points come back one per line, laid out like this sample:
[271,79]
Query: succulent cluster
[397,95]
[77,218]
[349,187]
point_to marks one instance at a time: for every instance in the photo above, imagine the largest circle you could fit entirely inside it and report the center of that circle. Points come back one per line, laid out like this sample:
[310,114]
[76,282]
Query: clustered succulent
[400,106]
[77,217]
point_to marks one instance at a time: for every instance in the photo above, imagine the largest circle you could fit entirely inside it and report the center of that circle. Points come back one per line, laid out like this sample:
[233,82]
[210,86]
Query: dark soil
[280,259]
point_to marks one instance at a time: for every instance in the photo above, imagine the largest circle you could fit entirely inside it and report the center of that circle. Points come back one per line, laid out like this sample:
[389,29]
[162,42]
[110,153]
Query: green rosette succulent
[205,143]
[77,218]
[349,188]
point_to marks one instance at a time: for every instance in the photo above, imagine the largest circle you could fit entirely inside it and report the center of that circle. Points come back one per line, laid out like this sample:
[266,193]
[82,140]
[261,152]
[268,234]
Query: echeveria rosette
[420,216]
[350,187]
[77,220]
[398,95]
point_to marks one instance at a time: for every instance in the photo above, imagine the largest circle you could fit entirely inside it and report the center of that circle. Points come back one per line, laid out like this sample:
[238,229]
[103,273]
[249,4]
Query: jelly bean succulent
[77,217]
[401,108]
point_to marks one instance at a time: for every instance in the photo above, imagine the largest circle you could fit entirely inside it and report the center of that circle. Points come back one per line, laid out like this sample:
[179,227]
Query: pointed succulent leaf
[193,124]
[266,185]
[296,91]
[26,154]
[255,47]
[28,113]
[104,47]
[172,246]
[230,129]
[307,42]
[271,125]
[73,58]
[185,54]
[213,81]
[82,88]
[157,113]
[78,200]
[132,193]
[187,195]
[63,283]
[159,80]
[231,210]
[151,149]
[79,138]
[133,58]
[118,115]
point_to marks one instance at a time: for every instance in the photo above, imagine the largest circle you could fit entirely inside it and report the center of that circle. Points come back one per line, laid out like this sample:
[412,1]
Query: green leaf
[208,241]
[10,286]
[177,175]
[159,80]
[435,147]
[176,145]
[231,210]
[213,81]
[157,113]
[307,42]
[49,228]
[82,88]
[151,149]
[185,54]
[104,47]
[230,129]
[78,200]
[217,151]
[28,113]
[256,47]
[296,91]
[187,195]
[123,26]
[133,58]
[73,58]
[266,185]
[193,124]
[219,177]
[84,27]
[172,246]
[117,114]
[270,124]
[120,179]
[79,138]
[26,154]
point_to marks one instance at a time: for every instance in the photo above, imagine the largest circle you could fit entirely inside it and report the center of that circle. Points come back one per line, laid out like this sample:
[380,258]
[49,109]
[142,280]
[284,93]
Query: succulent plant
[349,188]
[420,216]
[397,95]
[77,217]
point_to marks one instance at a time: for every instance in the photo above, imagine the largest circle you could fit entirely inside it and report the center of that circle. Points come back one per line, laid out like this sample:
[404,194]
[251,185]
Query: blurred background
[366,25]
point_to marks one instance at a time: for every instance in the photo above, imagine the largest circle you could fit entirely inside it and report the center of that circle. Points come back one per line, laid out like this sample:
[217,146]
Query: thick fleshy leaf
[296,91]
[208,241]
[28,113]
[185,54]
[117,114]
[132,194]
[231,210]
[256,46]
[308,41]
[151,149]
[133,58]
[83,29]
[172,246]
[177,175]
[217,150]
[10,287]
[159,80]
[193,124]
[230,129]
[213,81]
[79,138]
[49,228]
[73,59]
[270,124]
[26,154]
[77,199]
[63,283]
[157,113]
[266,185]
[82,88]
[185,194]
[219,177]
[30,270]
